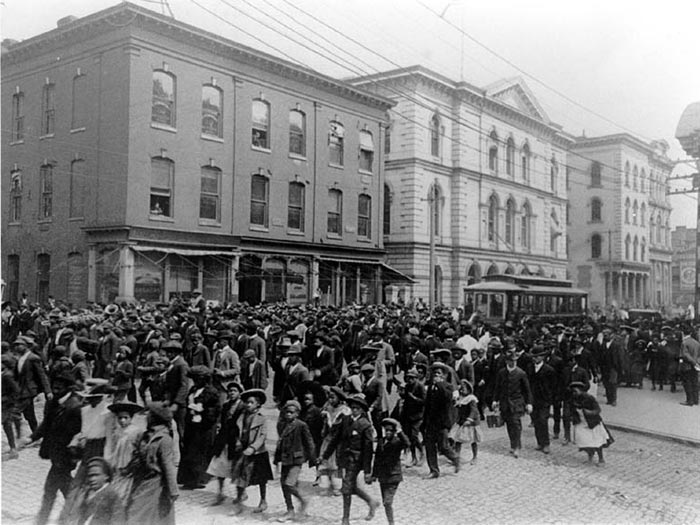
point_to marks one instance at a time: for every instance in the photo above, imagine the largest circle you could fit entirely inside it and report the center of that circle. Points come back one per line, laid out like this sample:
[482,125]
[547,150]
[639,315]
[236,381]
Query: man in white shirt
[467,342]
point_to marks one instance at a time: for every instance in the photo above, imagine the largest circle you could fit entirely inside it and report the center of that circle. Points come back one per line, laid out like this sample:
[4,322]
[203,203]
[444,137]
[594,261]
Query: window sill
[212,138]
[160,218]
[297,156]
[78,130]
[336,166]
[17,223]
[47,136]
[16,142]
[365,172]
[163,127]
[45,221]
[256,228]
[296,233]
[260,149]
[334,237]
[76,219]
[364,239]
[210,223]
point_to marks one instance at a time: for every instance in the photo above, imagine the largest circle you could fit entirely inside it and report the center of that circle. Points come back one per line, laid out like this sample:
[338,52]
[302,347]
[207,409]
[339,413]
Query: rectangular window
[16,196]
[46,191]
[12,292]
[163,102]
[77,188]
[295,214]
[210,196]
[43,277]
[80,108]
[48,109]
[336,140]
[212,102]
[366,151]
[261,124]
[162,174]
[258,201]
[335,212]
[17,117]
[364,216]
[297,133]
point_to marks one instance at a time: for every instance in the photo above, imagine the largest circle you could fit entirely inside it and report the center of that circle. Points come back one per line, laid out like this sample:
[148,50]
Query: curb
[654,434]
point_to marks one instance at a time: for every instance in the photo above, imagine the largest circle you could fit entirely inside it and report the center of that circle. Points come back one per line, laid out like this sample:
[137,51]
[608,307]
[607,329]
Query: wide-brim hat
[441,351]
[467,383]
[284,342]
[255,392]
[458,349]
[96,387]
[440,366]
[357,399]
[338,392]
[249,353]
[370,348]
[353,364]
[172,345]
[126,406]
[538,350]
[161,410]
[391,422]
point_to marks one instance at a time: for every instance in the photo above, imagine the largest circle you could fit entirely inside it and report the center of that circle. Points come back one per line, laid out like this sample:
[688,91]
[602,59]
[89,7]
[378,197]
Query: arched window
[596,173]
[474,274]
[366,151]
[510,222]
[493,270]
[436,201]
[260,130]
[525,226]
[336,143]
[164,102]
[635,248]
[642,215]
[596,246]
[553,174]
[642,181]
[627,174]
[297,133]
[635,212]
[510,157]
[435,136]
[627,211]
[387,210]
[635,177]
[525,162]
[492,227]
[628,242]
[212,111]
[493,153]
[643,252]
[596,205]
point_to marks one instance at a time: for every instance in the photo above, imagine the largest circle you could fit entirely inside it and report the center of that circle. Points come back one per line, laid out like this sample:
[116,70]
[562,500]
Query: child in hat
[387,463]
[294,448]
[332,413]
[466,428]
[119,448]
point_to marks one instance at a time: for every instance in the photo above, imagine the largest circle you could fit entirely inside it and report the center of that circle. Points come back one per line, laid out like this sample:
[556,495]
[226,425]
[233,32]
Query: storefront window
[148,278]
[215,279]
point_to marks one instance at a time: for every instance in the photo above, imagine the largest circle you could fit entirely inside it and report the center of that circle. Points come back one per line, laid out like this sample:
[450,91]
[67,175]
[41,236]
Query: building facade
[484,169]
[620,236]
[683,266]
[147,158]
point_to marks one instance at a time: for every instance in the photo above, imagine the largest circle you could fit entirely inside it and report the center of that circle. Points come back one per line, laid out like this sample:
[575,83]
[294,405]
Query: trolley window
[496,305]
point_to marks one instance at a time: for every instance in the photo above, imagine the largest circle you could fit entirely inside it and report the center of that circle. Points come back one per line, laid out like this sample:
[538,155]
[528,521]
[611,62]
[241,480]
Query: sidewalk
[654,413]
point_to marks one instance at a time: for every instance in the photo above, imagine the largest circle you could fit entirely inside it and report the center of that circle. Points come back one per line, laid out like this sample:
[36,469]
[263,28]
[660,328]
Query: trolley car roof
[500,286]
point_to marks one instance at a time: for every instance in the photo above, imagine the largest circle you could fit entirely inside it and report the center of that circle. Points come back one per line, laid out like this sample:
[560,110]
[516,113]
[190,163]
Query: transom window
[261,124]
[163,104]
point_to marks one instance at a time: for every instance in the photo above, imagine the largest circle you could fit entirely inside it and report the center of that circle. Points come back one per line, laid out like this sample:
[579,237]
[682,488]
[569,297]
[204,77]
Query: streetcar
[511,297]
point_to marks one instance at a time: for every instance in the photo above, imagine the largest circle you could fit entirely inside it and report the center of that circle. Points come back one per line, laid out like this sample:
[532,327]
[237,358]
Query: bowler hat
[538,350]
[255,392]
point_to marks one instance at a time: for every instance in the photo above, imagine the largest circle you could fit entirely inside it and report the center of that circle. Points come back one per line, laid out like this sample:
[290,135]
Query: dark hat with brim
[338,392]
[172,346]
[96,387]
[440,366]
[236,385]
[357,399]
[458,350]
[353,364]
[370,348]
[131,408]
[259,393]
[65,377]
[539,350]
[577,384]
[495,342]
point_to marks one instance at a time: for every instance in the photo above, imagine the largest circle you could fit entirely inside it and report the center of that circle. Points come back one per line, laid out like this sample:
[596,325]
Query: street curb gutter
[653,434]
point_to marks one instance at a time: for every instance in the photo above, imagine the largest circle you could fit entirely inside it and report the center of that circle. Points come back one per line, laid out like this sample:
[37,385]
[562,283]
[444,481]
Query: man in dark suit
[177,384]
[322,363]
[689,366]
[513,397]
[413,396]
[462,364]
[31,379]
[543,382]
[610,362]
[296,374]
[61,422]
[437,420]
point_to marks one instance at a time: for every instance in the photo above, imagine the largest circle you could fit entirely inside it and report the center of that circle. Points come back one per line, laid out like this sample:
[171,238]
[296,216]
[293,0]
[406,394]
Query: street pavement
[644,480]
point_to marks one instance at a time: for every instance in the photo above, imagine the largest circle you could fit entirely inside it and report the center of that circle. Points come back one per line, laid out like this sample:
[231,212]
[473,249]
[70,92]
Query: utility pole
[610,272]
[432,198]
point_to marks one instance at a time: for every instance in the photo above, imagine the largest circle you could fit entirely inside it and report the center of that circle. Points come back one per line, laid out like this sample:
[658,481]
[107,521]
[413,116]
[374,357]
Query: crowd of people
[143,401]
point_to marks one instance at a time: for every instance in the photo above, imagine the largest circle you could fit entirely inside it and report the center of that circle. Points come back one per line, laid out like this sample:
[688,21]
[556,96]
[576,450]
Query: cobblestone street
[645,480]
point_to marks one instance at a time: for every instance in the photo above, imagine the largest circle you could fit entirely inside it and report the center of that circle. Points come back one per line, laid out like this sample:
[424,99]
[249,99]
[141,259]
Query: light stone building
[620,241]
[496,167]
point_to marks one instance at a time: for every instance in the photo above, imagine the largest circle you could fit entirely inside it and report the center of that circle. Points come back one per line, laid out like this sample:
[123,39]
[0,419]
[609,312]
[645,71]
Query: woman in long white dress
[589,432]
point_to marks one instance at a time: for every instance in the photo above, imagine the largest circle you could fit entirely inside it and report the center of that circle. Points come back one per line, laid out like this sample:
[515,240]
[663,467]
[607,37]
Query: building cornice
[130,15]
[627,139]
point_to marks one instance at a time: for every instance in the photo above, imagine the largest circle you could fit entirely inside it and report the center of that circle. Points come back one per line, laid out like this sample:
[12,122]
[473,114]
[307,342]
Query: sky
[597,66]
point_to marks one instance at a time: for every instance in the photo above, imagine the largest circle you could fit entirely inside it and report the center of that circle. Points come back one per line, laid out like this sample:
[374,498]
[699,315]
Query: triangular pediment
[515,93]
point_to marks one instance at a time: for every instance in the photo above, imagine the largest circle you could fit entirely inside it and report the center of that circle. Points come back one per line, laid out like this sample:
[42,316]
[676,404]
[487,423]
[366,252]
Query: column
[358,276]
[126,273]
[92,273]
[378,285]
[608,288]
[634,289]
[314,275]
[200,273]
[339,287]
[623,288]
[233,272]
[262,278]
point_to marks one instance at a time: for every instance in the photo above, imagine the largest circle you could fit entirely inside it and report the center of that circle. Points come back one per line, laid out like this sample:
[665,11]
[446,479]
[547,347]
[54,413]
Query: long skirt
[196,454]
[591,438]
[220,466]
[252,470]
[465,434]
[150,503]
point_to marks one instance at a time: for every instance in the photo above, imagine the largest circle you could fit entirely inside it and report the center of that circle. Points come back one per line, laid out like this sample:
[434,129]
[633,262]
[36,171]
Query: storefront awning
[182,251]
[392,274]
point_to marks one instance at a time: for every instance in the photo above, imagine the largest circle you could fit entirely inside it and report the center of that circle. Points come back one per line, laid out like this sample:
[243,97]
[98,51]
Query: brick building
[495,166]
[620,236]
[143,157]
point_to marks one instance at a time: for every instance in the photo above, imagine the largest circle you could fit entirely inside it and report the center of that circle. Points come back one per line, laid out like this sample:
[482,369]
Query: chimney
[66,20]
